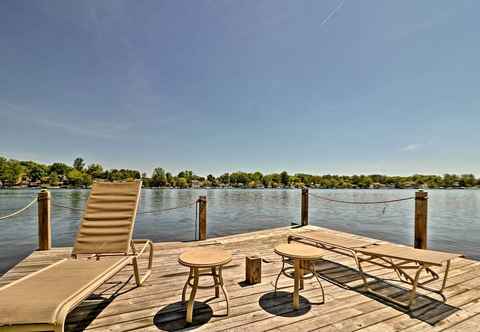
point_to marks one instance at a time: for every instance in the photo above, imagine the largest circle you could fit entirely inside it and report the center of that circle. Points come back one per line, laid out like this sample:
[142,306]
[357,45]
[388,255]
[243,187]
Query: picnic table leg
[191,301]
[296,285]
[413,292]
[445,276]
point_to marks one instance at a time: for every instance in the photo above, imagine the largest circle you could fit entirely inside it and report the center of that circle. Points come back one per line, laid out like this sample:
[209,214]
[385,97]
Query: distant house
[196,184]
[37,183]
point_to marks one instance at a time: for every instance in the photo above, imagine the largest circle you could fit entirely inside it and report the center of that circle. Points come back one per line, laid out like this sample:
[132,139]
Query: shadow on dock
[426,309]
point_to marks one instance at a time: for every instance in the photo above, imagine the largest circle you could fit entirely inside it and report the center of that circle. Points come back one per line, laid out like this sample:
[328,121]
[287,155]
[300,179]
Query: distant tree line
[29,173]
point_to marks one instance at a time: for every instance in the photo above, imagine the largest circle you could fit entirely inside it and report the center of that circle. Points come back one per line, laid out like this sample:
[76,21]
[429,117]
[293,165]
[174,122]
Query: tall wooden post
[202,218]
[421,208]
[304,216]
[44,224]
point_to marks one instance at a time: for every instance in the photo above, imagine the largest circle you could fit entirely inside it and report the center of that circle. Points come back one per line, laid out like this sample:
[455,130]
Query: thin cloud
[85,128]
[411,147]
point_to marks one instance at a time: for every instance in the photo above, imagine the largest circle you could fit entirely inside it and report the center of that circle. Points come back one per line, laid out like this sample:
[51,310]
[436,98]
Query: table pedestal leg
[216,281]
[191,300]
[184,292]
[296,285]
[222,286]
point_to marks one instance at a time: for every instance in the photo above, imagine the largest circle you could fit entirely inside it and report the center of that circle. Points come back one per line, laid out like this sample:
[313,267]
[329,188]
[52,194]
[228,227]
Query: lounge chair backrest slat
[109,217]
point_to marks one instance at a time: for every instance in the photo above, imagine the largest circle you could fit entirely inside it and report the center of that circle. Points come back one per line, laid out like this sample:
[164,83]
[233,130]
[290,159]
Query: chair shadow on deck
[426,309]
[172,317]
[280,304]
[81,317]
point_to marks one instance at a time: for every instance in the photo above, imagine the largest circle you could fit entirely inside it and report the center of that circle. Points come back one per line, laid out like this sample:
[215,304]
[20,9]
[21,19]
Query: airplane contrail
[333,12]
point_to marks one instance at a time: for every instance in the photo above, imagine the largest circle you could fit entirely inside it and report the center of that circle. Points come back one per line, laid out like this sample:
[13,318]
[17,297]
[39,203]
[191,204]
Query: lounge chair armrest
[136,254]
[146,244]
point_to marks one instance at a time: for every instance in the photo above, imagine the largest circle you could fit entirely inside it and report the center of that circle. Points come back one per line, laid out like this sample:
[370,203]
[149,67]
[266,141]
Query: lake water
[453,223]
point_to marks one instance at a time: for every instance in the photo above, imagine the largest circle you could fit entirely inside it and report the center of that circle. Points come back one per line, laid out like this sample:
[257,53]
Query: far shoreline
[241,188]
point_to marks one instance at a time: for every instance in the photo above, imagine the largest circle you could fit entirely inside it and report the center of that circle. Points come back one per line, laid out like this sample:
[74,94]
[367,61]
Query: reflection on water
[454,223]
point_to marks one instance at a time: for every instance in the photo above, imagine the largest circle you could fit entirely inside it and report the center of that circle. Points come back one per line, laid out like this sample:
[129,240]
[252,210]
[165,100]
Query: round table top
[205,257]
[298,250]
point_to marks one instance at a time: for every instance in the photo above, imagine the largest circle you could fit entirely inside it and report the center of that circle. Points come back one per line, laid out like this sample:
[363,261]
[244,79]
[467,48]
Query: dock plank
[120,306]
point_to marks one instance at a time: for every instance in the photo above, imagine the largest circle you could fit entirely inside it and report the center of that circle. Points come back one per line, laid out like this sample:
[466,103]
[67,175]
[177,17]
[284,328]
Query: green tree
[182,182]
[86,179]
[75,178]
[467,180]
[257,177]
[95,171]
[12,173]
[284,178]
[78,164]
[187,175]
[169,177]
[36,172]
[59,168]
[159,177]
[225,178]
[53,179]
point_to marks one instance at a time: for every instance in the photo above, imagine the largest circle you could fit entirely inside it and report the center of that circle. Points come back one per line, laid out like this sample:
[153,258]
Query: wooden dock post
[253,270]
[44,224]
[304,216]
[202,218]
[421,209]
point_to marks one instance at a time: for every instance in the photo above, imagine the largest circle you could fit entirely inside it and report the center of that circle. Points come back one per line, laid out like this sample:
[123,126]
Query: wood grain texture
[156,306]
[44,221]
[421,213]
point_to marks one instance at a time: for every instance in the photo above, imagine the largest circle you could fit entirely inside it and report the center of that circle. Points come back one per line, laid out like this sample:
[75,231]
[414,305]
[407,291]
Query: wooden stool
[210,259]
[302,256]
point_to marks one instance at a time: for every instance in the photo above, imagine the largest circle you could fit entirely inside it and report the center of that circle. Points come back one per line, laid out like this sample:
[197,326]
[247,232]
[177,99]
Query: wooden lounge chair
[104,246]
[408,263]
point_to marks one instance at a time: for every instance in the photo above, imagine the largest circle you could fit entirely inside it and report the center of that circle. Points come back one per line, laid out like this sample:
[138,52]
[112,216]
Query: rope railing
[168,209]
[139,212]
[19,211]
[359,202]
[67,207]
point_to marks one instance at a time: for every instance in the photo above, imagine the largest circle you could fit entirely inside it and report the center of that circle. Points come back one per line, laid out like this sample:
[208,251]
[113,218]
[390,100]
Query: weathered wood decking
[119,306]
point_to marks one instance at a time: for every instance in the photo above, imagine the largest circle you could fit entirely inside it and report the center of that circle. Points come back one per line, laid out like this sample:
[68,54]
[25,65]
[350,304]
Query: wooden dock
[120,306]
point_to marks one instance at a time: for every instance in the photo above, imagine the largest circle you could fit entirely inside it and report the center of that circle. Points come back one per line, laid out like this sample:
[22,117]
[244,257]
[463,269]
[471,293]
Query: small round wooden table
[302,256]
[198,259]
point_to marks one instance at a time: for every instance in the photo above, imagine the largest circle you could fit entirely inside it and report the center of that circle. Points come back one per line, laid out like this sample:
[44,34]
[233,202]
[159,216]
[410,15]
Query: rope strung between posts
[356,202]
[19,211]
[139,212]
[67,207]
[168,209]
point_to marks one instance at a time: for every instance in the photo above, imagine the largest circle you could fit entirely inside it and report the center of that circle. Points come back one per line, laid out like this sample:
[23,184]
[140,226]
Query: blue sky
[327,86]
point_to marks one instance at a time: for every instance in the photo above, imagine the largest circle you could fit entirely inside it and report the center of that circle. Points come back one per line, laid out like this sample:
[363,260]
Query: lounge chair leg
[136,271]
[362,274]
[191,300]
